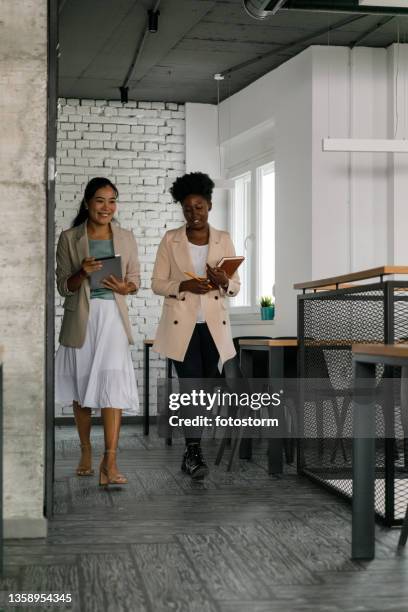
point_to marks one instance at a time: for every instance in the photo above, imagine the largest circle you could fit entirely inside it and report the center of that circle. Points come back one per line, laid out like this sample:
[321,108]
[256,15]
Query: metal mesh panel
[400,328]
[331,323]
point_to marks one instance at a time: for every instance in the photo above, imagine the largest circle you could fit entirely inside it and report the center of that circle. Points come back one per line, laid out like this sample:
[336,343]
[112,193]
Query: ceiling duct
[365,7]
[384,3]
[257,8]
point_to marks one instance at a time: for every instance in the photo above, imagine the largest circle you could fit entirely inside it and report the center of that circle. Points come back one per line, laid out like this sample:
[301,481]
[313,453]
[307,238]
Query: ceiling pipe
[371,30]
[139,49]
[296,43]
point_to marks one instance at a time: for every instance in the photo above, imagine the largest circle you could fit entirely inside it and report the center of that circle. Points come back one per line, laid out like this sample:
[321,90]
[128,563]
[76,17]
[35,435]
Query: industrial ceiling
[105,44]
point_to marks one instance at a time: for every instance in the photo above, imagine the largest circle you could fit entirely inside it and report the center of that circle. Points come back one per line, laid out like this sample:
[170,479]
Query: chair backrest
[232,368]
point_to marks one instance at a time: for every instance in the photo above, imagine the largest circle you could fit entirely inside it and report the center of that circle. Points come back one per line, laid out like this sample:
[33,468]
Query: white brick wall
[136,145]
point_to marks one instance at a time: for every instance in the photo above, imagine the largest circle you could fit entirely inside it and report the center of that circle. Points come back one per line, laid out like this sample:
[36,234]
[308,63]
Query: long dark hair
[90,190]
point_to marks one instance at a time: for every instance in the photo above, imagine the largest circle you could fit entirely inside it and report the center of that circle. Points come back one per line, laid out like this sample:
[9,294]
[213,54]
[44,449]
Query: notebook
[230,264]
[111,265]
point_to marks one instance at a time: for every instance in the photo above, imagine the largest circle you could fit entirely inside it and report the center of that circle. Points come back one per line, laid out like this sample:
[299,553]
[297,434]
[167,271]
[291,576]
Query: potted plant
[267,308]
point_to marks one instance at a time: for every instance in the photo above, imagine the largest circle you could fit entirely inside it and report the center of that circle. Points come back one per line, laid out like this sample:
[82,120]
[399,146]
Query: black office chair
[232,371]
[404,531]
[318,368]
[259,370]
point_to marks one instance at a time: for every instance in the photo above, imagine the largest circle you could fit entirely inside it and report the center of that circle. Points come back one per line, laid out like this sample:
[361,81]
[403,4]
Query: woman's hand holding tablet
[90,265]
[118,285]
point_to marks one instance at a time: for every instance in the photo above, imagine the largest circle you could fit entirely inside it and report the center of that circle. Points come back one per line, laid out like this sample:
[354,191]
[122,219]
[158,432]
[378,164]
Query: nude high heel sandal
[106,477]
[84,468]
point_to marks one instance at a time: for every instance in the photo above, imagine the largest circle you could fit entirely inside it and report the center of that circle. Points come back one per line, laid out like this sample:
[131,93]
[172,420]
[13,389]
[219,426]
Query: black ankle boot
[193,462]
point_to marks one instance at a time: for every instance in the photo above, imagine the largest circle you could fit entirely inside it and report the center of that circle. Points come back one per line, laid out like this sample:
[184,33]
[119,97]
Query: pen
[191,275]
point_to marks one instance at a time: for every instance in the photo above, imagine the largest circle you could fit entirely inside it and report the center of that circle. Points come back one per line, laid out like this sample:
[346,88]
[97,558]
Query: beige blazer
[179,312]
[72,249]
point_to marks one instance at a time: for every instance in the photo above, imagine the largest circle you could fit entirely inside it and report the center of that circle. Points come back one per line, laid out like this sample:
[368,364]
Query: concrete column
[23,112]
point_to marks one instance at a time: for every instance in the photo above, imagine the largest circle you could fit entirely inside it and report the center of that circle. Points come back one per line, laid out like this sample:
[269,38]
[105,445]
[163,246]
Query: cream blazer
[72,249]
[179,311]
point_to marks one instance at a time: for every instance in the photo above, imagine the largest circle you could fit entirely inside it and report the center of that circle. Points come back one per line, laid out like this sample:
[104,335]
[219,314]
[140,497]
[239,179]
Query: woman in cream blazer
[93,365]
[194,330]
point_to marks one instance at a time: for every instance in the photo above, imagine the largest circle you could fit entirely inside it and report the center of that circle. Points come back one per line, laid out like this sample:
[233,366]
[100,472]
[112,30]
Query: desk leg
[275,445]
[363,519]
[247,368]
[146,382]
[169,440]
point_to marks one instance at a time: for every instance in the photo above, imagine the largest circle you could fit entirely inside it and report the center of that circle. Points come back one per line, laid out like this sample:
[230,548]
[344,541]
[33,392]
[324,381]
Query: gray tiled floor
[237,542]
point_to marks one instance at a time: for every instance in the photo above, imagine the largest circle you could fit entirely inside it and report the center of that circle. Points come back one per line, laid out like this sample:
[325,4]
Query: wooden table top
[381,350]
[267,342]
[353,276]
[253,342]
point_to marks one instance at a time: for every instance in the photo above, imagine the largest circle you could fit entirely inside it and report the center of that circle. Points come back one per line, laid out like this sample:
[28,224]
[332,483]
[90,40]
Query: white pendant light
[365,145]
[219,183]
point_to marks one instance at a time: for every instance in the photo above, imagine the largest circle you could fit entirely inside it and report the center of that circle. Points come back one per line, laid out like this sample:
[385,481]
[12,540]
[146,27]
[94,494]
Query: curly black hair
[196,183]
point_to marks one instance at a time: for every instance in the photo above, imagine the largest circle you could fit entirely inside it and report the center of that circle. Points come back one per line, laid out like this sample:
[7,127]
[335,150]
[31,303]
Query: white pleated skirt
[100,374]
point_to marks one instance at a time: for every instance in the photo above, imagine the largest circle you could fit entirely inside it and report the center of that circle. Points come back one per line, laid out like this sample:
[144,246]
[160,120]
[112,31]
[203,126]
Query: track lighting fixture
[153,21]
[124,94]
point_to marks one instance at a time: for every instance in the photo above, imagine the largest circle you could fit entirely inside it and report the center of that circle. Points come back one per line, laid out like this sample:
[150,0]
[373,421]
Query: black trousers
[200,361]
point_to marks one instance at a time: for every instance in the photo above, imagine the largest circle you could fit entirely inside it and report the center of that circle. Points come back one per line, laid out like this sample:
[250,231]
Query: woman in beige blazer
[93,365]
[194,330]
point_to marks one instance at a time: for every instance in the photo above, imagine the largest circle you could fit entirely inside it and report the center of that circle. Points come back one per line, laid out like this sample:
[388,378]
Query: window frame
[261,170]
[253,168]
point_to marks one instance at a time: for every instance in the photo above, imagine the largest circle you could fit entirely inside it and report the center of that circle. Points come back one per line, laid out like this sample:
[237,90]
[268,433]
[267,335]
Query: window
[266,229]
[252,228]
[239,230]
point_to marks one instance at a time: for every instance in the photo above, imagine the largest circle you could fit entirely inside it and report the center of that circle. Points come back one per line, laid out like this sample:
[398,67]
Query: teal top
[101,248]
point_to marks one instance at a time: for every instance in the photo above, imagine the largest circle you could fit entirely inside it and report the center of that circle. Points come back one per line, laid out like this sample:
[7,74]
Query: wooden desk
[342,281]
[147,344]
[282,363]
[330,321]
[365,359]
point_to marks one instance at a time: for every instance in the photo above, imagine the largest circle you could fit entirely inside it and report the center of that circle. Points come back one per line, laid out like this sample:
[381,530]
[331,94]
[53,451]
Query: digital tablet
[110,265]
